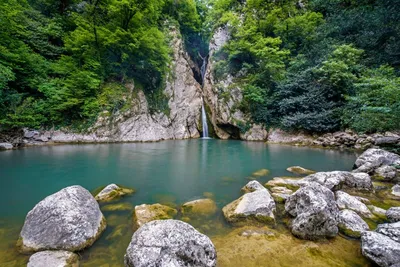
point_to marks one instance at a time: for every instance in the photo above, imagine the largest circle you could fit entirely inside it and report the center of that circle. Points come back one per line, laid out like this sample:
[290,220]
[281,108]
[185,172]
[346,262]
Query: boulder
[6,146]
[391,230]
[387,140]
[380,249]
[360,181]
[373,158]
[146,213]
[393,214]
[386,173]
[281,194]
[258,206]
[315,210]
[291,183]
[252,186]
[335,180]
[199,207]
[351,224]
[111,192]
[377,211]
[300,170]
[396,190]
[50,258]
[170,243]
[67,220]
[346,201]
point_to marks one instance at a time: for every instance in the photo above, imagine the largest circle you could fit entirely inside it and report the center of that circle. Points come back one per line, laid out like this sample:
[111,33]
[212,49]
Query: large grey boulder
[67,220]
[396,190]
[50,258]
[336,180]
[373,158]
[346,201]
[393,214]
[258,206]
[315,210]
[381,249]
[351,224]
[6,146]
[386,173]
[391,230]
[170,243]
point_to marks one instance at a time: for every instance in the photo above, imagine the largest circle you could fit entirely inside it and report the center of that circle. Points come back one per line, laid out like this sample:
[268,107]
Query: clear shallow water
[170,172]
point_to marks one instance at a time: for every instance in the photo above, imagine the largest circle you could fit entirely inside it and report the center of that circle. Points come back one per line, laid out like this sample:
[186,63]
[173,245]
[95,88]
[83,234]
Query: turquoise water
[171,172]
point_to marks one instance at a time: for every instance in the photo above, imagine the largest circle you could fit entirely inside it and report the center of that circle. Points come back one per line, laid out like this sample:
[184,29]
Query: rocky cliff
[223,97]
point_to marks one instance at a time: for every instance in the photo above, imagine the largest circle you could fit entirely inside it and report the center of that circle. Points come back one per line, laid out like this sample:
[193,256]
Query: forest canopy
[312,65]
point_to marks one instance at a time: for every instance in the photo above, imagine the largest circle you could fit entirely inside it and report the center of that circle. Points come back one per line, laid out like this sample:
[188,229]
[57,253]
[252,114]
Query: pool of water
[170,172]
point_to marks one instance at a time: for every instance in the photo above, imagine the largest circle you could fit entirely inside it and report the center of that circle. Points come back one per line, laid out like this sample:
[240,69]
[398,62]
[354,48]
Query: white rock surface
[54,259]
[380,249]
[393,214]
[351,224]
[346,201]
[391,230]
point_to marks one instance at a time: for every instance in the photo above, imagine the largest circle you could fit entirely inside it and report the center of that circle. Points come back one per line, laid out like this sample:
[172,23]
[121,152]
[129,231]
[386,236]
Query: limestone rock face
[252,186]
[146,213]
[373,160]
[199,207]
[315,210]
[180,121]
[258,206]
[111,192]
[54,259]
[391,230]
[346,201]
[380,249]
[170,243]
[393,214]
[222,97]
[351,224]
[67,220]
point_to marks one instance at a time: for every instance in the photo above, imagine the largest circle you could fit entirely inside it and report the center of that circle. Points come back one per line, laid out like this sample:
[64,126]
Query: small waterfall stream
[203,111]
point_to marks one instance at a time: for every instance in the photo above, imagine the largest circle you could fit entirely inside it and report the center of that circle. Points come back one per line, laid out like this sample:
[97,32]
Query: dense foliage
[62,62]
[318,65]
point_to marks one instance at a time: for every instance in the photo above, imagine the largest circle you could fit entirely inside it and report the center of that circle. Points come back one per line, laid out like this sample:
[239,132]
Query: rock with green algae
[346,201]
[111,192]
[254,207]
[67,220]
[300,170]
[54,258]
[118,207]
[260,173]
[199,207]
[118,232]
[253,247]
[288,182]
[252,186]
[281,194]
[351,224]
[145,213]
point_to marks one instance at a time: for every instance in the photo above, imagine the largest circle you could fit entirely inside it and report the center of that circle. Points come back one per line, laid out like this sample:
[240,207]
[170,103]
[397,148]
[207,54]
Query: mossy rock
[261,173]
[300,170]
[111,192]
[200,207]
[146,213]
[117,207]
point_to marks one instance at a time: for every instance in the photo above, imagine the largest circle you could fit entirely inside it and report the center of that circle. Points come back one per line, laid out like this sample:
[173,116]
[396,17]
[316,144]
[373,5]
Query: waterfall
[203,111]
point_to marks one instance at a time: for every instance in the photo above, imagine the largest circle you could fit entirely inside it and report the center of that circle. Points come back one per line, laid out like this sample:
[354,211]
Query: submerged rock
[346,201]
[252,186]
[351,224]
[315,210]
[118,207]
[260,173]
[170,243]
[67,220]
[53,259]
[380,249]
[258,206]
[300,170]
[393,214]
[391,230]
[199,207]
[112,191]
[146,213]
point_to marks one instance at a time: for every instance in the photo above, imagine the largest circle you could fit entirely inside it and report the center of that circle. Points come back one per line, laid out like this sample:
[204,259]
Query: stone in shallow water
[146,213]
[54,259]
[300,170]
[170,243]
[393,214]
[260,173]
[67,220]
[380,249]
[315,210]
[199,207]
[391,230]
[252,186]
[346,201]
[351,224]
[258,206]
[111,192]
[118,207]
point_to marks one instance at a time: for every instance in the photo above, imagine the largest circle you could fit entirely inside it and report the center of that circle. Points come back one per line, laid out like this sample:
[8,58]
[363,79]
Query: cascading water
[203,111]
